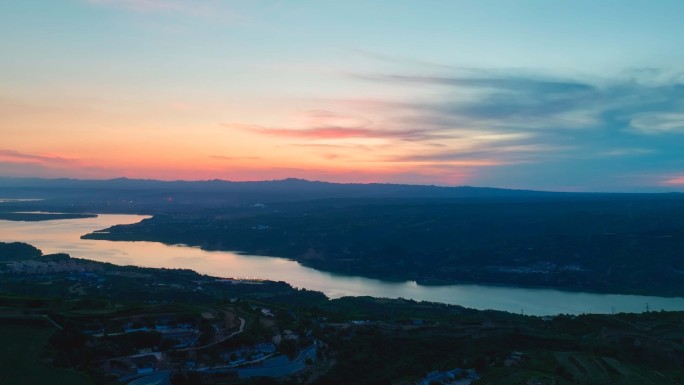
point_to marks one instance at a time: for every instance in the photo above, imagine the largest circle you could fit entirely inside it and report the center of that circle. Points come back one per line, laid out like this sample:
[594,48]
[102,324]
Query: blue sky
[552,95]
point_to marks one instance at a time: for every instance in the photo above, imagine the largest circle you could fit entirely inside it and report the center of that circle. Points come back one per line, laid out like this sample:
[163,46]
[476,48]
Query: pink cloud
[331,132]
[676,181]
[324,124]
[318,133]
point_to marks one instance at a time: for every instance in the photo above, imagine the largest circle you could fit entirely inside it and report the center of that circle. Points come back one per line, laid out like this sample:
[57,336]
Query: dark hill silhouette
[159,196]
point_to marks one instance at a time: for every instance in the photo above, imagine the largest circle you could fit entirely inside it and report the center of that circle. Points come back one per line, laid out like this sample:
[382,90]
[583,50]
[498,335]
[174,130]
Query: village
[166,341]
[130,340]
[143,326]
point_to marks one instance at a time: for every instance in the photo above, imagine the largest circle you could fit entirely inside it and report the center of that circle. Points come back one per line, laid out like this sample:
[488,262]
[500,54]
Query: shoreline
[430,282]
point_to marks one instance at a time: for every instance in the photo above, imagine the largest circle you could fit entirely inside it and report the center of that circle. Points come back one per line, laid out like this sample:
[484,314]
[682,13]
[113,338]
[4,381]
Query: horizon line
[124,178]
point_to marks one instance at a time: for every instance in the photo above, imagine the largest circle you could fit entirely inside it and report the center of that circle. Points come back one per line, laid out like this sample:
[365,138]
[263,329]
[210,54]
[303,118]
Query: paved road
[279,367]
[242,327]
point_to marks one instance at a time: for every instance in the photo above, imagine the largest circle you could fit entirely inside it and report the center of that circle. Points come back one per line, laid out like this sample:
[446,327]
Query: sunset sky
[551,95]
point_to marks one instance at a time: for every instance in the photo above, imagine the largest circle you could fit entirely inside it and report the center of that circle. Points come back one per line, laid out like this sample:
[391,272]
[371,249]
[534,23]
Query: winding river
[64,236]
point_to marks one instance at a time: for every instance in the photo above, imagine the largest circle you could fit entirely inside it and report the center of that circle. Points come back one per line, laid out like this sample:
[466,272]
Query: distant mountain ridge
[147,196]
[283,186]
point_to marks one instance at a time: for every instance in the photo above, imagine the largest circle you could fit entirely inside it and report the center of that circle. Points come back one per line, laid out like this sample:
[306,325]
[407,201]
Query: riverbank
[64,236]
[41,216]
[549,277]
[526,244]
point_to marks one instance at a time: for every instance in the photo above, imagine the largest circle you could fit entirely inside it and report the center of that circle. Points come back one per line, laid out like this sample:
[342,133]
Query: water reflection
[64,236]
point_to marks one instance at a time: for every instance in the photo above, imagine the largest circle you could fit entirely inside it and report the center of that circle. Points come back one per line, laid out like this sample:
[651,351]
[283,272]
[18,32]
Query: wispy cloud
[223,157]
[325,118]
[505,127]
[16,163]
[516,83]
[331,146]
[12,156]
[620,152]
[519,101]
[332,133]
[498,153]
[204,9]
[674,181]
[565,121]
[315,133]
[659,122]
[330,125]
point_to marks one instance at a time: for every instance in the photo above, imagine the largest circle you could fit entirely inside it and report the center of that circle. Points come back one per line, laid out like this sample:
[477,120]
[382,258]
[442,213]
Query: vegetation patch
[25,355]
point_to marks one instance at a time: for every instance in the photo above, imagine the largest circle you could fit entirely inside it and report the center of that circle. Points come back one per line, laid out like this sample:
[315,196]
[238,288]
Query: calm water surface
[64,236]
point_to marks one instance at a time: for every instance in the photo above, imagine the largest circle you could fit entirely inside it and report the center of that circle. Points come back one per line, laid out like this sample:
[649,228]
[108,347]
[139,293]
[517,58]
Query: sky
[549,95]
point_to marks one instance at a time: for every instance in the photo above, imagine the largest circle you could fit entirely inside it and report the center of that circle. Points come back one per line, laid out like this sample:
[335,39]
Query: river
[64,236]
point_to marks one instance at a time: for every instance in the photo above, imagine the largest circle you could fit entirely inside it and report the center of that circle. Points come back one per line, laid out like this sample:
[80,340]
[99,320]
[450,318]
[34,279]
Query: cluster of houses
[185,334]
[32,266]
[280,365]
[138,365]
[538,268]
[514,359]
[248,353]
[454,376]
